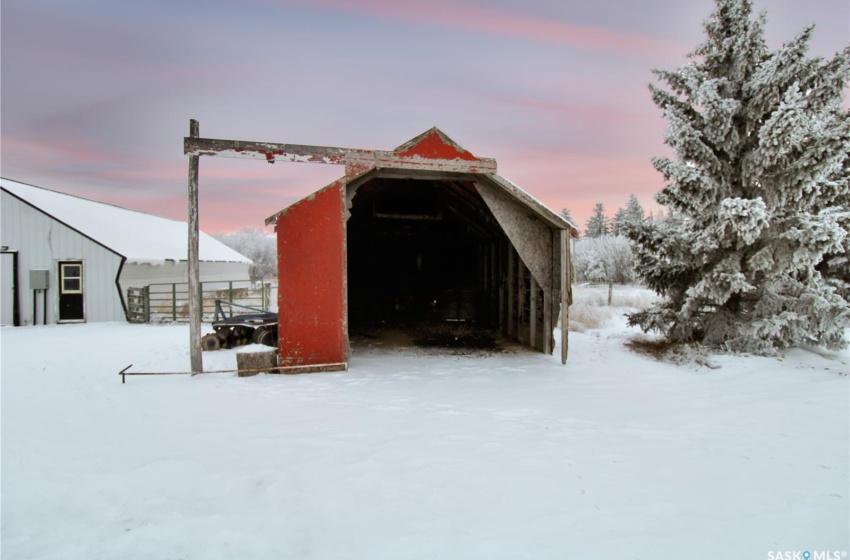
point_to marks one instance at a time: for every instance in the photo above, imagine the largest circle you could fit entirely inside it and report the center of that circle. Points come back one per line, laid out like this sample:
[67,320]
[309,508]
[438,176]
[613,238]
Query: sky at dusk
[97,95]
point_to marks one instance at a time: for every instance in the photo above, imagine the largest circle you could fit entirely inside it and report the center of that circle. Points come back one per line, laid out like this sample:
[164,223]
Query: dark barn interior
[425,254]
[413,253]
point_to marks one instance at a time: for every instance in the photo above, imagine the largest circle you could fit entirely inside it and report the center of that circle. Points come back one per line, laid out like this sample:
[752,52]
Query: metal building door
[71,300]
[312,287]
[8,285]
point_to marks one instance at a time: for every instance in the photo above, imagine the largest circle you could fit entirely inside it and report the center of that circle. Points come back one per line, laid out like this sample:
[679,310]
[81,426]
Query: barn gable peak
[434,144]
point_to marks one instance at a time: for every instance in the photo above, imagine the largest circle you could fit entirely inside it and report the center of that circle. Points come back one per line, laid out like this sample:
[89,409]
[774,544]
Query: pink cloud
[240,193]
[50,150]
[597,114]
[497,22]
[233,193]
[578,180]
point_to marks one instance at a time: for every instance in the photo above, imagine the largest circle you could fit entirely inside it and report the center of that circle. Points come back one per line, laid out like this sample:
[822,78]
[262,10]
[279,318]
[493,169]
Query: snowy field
[411,456]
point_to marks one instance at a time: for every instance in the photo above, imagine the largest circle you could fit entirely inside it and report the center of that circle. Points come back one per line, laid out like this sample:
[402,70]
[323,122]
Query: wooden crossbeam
[272,152]
[263,150]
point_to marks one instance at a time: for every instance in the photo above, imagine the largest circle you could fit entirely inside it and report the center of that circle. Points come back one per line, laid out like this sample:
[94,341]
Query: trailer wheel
[255,338]
[210,342]
[265,336]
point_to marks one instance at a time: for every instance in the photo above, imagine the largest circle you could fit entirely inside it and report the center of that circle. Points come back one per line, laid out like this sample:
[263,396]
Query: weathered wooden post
[195,355]
[565,291]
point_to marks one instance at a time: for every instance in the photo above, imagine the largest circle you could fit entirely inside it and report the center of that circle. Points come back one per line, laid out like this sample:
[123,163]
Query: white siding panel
[42,243]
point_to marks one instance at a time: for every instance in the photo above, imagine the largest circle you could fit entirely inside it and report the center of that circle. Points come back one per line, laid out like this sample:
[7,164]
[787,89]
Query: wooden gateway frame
[524,257]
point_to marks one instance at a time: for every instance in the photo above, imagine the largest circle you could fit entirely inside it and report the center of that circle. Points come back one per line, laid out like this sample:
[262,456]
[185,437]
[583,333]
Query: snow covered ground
[410,456]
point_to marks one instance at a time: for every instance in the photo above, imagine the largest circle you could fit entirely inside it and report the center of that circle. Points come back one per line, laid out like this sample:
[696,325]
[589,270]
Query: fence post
[173,302]
[230,295]
[146,303]
[266,296]
[201,298]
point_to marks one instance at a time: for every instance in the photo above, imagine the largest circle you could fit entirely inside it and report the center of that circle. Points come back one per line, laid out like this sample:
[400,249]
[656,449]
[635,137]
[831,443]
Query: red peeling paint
[354,169]
[311,287]
[432,146]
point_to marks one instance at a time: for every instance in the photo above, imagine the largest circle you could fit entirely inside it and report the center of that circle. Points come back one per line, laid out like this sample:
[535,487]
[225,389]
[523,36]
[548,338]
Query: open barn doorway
[403,238]
[422,265]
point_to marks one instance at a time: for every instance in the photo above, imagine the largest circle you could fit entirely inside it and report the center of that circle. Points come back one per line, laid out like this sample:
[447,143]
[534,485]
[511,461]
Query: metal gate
[170,302]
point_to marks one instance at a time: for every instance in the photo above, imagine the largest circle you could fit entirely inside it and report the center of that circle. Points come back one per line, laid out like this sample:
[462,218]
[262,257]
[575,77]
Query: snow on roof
[140,237]
[532,202]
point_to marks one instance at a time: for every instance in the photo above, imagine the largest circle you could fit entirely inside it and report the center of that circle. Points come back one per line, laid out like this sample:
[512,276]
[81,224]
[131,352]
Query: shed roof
[434,144]
[137,236]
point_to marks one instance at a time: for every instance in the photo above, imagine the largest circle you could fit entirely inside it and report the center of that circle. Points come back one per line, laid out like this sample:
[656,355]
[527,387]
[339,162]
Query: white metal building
[67,259]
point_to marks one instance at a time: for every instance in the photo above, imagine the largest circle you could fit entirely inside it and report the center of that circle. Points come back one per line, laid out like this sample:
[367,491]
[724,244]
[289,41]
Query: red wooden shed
[425,231]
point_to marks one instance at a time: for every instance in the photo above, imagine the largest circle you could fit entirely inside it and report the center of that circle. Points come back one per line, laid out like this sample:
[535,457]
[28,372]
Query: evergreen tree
[632,214]
[634,211]
[565,214]
[656,216]
[836,264]
[619,222]
[597,225]
[760,190]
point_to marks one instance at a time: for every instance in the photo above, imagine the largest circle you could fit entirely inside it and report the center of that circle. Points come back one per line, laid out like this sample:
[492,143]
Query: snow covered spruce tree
[760,180]
[597,225]
[632,213]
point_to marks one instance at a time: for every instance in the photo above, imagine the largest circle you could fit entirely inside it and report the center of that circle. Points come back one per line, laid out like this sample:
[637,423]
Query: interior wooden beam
[511,289]
[502,286]
[547,323]
[522,291]
[494,282]
[533,289]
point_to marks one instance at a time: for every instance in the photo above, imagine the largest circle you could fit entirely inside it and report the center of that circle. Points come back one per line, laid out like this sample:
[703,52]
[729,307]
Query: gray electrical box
[39,279]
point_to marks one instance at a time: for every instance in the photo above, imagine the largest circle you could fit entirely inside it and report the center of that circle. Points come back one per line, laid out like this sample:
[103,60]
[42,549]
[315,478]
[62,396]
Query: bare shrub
[604,259]
[657,348]
[258,246]
[585,316]
[674,352]
[630,296]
